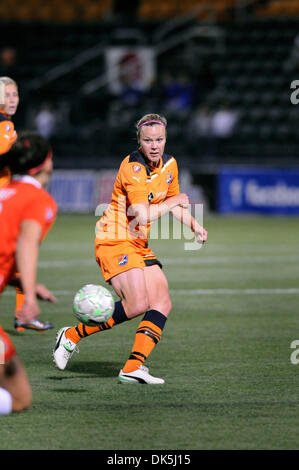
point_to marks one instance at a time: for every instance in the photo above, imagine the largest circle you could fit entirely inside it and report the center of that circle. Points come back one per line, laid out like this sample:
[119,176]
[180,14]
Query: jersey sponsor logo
[122,260]
[150,197]
[168,178]
[7,128]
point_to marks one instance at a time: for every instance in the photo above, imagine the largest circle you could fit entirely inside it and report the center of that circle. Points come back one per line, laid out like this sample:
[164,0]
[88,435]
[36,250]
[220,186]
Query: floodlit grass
[224,354]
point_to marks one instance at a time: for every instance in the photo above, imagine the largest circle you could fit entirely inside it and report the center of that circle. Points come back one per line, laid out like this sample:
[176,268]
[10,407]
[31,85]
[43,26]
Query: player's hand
[29,311]
[43,293]
[201,235]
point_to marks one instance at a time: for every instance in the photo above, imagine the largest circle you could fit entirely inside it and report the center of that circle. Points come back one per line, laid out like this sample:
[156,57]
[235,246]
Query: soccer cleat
[141,375]
[64,349]
[35,324]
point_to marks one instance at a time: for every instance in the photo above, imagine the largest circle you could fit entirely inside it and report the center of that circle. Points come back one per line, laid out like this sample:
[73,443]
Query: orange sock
[20,299]
[76,333]
[80,331]
[147,336]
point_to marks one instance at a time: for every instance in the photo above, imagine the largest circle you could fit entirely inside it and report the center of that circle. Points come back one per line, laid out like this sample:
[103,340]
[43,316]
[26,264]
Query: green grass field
[225,352]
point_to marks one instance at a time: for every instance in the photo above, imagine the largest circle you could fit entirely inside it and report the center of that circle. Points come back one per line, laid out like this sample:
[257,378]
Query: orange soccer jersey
[8,134]
[135,183]
[20,200]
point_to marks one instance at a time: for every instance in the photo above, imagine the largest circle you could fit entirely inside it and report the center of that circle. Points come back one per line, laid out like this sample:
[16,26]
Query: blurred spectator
[224,121]
[208,129]
[292,63]
[8,62]
[178,92]
[199,131]
[200,125]
[45,121]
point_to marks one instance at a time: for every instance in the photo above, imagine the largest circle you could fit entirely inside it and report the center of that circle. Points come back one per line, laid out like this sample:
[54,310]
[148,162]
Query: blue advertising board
[258,190]
[74,190]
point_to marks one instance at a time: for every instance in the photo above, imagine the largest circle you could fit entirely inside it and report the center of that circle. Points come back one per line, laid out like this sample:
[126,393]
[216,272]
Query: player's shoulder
[47,195]
[32,191]
[168,161]
[134,162]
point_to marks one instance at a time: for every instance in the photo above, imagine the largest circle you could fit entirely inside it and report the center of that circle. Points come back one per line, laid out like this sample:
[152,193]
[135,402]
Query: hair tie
[149,122]
[35,170]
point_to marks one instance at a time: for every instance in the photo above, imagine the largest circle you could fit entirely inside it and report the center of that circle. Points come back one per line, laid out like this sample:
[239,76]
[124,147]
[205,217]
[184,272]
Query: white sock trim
[5,402]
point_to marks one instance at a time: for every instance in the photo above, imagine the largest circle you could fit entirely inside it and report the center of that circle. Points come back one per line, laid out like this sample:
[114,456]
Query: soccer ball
[93,305]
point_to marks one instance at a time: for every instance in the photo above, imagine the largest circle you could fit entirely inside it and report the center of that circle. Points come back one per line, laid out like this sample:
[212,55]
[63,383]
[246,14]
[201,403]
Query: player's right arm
[134,182]
[146,213]
[27,259]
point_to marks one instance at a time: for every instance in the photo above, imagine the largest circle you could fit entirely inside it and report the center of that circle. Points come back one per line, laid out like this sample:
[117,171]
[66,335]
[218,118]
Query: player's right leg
[130,286]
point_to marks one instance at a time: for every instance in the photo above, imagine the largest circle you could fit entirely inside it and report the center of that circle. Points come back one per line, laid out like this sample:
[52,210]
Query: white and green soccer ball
[93,305]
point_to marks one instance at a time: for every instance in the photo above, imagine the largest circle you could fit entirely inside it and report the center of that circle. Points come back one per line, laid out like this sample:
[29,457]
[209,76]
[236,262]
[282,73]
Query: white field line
[180,261]
[283,291]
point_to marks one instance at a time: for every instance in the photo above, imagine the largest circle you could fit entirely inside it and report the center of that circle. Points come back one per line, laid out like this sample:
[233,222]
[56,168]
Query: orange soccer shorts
[116,259]
[7,349]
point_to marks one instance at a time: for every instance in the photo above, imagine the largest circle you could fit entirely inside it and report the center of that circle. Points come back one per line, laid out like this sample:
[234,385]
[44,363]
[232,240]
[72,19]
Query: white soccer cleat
[141,375]
[64,349]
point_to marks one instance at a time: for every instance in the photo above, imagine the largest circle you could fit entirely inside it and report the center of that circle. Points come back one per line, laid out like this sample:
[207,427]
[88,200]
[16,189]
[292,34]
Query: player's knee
[137,308]
[163,305]
[167,306]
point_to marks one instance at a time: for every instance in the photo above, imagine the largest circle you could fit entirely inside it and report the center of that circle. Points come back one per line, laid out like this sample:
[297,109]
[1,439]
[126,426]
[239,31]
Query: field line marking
[220,291]
[48,264]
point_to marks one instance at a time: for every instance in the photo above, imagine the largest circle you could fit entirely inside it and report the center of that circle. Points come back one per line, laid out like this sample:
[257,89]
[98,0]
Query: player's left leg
[150,329]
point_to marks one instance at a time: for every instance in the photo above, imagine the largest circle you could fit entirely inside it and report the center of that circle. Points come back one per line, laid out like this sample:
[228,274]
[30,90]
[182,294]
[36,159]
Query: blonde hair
[4,81]
[150,120]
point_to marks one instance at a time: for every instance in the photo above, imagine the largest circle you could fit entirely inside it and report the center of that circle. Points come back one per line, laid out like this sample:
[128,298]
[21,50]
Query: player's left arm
[27,259]
[185,217]
[42,292]
[182,213]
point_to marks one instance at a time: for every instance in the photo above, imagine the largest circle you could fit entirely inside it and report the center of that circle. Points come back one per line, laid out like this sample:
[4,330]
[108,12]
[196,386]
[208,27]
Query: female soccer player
[27,213]
[9,101]
[145,189]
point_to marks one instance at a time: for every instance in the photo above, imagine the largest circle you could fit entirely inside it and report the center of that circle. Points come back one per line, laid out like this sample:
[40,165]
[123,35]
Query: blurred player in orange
[146,188]
[9,101]
[27,214]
